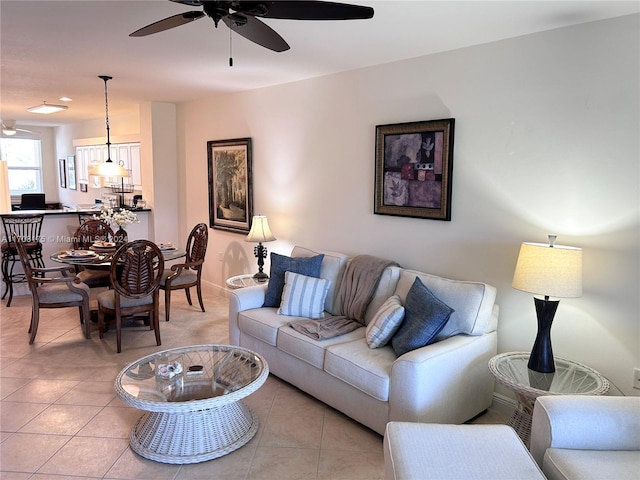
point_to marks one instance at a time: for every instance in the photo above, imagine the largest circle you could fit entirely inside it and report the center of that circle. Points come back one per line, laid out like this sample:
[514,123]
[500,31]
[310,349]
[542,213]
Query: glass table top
[190,374]
[569,378]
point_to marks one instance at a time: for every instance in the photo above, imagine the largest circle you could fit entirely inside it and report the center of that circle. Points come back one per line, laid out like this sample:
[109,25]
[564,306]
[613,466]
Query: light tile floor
[60,417]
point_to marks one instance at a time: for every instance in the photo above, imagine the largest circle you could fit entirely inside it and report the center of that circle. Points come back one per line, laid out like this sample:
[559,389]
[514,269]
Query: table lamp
[260,232]
[551,271]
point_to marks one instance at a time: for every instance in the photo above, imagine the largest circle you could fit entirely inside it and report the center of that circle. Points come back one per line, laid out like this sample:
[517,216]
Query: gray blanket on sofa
[358,285]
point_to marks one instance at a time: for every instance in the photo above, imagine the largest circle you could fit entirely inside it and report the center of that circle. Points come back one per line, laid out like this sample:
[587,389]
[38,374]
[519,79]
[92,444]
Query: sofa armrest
[581,422]
[445,382]
[240,300]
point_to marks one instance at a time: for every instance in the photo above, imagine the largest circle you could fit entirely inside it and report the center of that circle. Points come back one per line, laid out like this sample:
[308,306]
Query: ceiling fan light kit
[241,17]
[9,129]
[47,108]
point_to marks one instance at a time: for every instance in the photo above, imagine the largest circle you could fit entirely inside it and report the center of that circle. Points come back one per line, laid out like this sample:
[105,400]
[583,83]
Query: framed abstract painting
[414,166]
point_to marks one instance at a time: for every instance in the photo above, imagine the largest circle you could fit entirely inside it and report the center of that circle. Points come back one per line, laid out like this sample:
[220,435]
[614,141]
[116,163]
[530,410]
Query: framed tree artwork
[414,166]
[230,184]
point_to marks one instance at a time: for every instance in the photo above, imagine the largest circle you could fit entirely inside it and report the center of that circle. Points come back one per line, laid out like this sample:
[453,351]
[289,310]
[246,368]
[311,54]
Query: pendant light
[108,168]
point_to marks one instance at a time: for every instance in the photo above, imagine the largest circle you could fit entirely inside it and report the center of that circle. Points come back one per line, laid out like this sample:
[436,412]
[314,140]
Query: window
[25,164]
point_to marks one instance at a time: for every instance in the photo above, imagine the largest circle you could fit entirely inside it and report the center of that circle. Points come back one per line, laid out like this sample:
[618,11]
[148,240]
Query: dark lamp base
[541,358]
[261,277]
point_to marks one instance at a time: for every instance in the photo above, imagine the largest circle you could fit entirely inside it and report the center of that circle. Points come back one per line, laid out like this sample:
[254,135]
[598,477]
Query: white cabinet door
[82,165]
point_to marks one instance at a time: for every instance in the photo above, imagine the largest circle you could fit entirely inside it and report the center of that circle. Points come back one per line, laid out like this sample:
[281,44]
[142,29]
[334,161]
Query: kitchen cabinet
[126,154]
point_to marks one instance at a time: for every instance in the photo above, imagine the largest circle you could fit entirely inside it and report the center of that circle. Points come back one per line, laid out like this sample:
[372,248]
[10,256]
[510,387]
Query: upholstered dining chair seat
[60,293]
[94,278]
[186,277]
[107,299]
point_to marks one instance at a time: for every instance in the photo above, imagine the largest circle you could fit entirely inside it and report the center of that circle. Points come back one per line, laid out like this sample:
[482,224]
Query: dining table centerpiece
[120,218]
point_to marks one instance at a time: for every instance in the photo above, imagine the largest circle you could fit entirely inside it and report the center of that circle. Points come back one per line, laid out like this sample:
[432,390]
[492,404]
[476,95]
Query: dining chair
[188,274]
[53,292]
[84,237]
[27,227]
[135,273]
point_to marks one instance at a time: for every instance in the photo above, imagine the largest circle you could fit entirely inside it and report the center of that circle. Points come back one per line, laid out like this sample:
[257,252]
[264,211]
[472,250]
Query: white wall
[546,140]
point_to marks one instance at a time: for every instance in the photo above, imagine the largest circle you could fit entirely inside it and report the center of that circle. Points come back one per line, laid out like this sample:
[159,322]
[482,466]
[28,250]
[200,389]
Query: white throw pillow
[385,322]
[303,296]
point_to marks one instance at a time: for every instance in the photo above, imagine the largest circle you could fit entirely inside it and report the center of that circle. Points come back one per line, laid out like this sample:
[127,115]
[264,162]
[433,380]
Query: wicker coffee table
[192,398]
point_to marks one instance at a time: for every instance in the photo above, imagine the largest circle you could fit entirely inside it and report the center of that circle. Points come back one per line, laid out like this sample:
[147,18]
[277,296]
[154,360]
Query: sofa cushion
[281,264]
[425,315]
[303,296]
[472,301]
[566,464]
[386,288]
[262,323]
[309,350]
[364,368]
[385,322]
[332,269]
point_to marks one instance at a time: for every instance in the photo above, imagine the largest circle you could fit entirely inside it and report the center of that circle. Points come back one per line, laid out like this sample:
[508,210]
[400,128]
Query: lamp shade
[260,231]
[108,169]
[554,271]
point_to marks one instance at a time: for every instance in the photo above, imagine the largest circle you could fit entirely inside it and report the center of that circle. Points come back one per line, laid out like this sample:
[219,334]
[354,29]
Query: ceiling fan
[241,17]
[9,129]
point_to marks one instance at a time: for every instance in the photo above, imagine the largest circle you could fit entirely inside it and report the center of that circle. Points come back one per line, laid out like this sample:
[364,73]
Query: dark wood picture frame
[83,187]
[414,167]
[230,184]
[71,172]
[62,167]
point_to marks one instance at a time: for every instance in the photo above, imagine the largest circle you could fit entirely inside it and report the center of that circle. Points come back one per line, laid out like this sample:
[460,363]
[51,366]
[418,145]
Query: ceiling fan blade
[258,32]
[167,23]
[307,10]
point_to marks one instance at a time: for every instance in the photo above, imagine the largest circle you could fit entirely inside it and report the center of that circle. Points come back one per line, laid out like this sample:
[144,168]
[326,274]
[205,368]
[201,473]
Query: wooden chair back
[136,269]
[197,245]
[90,232]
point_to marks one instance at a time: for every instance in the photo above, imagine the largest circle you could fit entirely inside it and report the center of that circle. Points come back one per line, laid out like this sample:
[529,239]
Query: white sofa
[445,382]
[587,437]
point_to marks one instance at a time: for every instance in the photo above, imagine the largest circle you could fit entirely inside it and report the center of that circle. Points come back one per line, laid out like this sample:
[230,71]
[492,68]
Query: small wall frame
[414,166]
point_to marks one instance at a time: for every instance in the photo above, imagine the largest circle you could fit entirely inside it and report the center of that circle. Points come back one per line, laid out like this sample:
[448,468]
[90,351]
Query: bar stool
[27,227]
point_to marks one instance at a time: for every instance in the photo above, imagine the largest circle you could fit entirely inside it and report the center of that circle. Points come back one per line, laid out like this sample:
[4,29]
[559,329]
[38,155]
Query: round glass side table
[244,280]
[570,378]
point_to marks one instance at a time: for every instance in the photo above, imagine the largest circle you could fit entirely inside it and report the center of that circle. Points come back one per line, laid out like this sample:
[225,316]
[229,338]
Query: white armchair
[587,437]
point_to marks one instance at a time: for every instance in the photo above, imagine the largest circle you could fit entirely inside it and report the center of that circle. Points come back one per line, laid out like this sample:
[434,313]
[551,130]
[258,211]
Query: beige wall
[546,141]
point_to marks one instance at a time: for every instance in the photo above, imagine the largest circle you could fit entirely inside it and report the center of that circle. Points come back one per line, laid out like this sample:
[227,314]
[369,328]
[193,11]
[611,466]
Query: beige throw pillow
[385,322]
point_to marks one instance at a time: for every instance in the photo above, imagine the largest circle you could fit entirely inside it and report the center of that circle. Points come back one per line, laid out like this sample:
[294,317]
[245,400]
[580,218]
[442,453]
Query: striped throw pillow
[303,296]
[385,322]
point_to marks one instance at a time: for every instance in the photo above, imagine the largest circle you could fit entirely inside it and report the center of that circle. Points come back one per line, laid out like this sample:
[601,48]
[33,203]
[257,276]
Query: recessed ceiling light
[65,99]
[47,108]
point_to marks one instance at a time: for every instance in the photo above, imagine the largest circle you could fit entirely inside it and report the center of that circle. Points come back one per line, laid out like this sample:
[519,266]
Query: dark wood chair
[27,227]
[86,235]
[136,270]
[188,274]
[53,292]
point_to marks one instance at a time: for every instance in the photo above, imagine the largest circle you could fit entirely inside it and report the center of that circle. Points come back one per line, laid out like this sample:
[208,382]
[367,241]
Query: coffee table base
[193,437]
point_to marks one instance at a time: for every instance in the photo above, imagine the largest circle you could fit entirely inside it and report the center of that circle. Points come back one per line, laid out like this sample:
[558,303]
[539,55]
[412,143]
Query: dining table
[100,257]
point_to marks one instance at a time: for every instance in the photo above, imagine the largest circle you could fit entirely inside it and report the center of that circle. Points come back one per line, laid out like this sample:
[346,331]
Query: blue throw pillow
[425,315]
[309,266]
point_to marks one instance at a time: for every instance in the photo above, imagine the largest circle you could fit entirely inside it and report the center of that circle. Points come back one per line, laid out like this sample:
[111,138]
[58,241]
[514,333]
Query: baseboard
[503,404]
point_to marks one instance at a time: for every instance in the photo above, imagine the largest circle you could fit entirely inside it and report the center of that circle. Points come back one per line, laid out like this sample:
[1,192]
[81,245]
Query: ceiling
[50,49]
